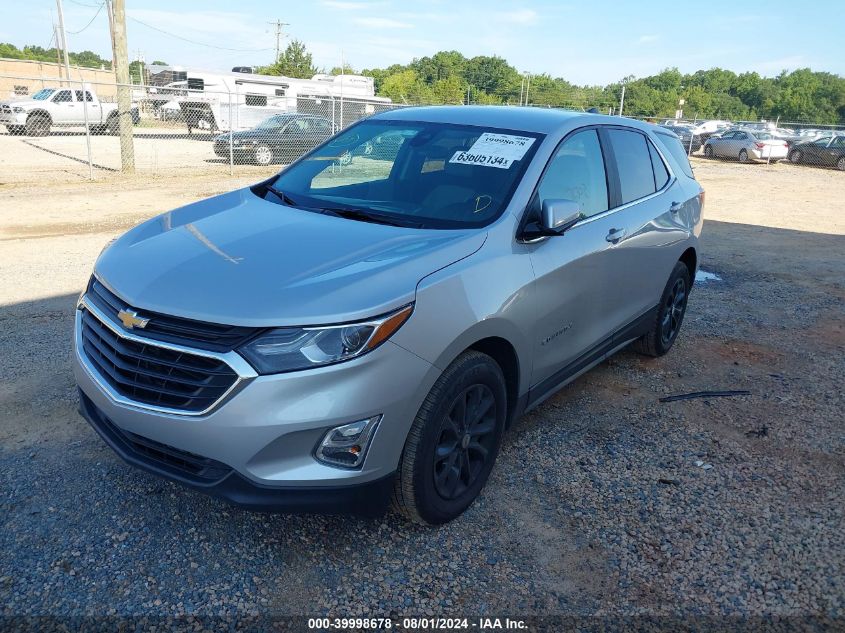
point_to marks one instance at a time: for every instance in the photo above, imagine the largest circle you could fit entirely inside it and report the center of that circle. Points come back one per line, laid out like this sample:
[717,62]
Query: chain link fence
[59,129]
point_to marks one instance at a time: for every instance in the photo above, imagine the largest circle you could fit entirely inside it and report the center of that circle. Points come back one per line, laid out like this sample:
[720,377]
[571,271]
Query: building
[21,78]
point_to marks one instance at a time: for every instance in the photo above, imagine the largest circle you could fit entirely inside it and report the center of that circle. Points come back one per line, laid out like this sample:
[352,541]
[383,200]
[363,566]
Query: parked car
[746,145]
[691,141]
[61,107]
[280,138]
[826,151]
[344,333]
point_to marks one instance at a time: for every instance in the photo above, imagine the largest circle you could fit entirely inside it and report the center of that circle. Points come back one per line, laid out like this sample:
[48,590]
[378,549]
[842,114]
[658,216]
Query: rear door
[650,217]
[92,107]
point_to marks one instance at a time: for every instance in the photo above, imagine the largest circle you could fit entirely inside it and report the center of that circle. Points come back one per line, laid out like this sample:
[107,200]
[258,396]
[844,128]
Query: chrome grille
[153,375]
[170,329]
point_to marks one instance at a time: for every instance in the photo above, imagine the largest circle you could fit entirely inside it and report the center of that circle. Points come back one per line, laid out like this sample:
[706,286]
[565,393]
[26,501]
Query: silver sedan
[745,146]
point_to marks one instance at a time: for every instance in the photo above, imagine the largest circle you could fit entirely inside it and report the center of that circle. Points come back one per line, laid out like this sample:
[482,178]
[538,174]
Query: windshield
[43,94]
[272,123]
[431,175]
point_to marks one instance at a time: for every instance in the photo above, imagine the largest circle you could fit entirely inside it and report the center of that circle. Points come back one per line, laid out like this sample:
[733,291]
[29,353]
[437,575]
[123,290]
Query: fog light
[346,445]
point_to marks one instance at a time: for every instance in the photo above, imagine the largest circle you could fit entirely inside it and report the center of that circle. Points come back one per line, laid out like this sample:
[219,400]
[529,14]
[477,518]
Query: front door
[572,301]
[65,110]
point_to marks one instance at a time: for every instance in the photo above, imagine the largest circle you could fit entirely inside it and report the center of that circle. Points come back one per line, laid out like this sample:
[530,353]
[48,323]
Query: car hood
[22,103]
[239,259]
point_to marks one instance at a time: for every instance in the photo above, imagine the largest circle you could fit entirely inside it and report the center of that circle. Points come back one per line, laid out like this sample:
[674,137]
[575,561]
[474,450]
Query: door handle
[676,206]
[615,235]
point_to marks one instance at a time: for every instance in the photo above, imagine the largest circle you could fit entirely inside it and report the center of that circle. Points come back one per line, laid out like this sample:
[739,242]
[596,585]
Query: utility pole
[64,39]
[278,24]
[527,88]
[124,93]
[622,100]
[141,65]
[110,11]
[58,46]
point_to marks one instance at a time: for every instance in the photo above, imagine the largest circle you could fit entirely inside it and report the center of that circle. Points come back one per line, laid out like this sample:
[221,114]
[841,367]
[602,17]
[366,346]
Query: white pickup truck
[60,107]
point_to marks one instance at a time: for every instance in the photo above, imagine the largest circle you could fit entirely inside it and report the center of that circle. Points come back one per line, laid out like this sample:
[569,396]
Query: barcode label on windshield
[494,150]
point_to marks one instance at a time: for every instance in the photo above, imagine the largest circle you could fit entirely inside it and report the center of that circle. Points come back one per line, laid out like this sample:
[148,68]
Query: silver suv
[365,325]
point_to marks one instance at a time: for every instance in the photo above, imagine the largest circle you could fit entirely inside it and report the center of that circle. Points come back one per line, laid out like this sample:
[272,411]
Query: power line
[90,22]
[185,39]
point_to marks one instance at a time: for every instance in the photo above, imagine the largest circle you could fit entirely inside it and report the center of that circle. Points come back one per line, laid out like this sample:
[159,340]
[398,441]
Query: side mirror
[558,215]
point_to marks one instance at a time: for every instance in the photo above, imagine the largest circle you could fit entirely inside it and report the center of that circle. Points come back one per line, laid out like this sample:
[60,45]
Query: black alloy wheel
[675,304]
[467,439]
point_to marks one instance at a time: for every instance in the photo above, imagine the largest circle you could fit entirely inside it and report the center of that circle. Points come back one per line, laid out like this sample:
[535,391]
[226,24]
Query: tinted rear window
[672,145]
[661,174]
[633,162]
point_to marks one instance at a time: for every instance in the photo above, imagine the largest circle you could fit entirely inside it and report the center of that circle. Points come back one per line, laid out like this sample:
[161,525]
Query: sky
[583,42]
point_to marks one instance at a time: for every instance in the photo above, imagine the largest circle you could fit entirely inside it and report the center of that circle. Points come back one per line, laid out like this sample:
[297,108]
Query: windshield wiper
[285,198]
[366,216]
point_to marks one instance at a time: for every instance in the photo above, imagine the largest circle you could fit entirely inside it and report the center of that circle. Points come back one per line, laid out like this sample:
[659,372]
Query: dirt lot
[596,507]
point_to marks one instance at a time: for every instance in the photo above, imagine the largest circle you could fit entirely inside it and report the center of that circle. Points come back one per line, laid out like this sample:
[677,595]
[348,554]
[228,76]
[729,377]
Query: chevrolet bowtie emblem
[131,320]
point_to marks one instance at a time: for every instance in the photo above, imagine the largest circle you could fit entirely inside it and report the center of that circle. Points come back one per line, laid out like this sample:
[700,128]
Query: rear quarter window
[673,146]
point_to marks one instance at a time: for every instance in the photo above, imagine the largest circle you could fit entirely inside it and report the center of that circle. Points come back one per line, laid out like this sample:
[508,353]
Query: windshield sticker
[494,150]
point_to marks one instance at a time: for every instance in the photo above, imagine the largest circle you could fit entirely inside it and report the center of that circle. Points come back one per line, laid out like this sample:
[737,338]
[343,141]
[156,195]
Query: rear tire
[796,156]
[263,155]
[15,130]
[743,156]
[113,125]
[453,442]
[708,151]
[670,314]
[840,164]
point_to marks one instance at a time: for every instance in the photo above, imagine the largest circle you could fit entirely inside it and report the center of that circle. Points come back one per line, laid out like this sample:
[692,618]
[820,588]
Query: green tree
[295,62]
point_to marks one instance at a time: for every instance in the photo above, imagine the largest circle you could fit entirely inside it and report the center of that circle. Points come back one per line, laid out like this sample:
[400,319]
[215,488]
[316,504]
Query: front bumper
[12,118]
[367,499]
[266,432]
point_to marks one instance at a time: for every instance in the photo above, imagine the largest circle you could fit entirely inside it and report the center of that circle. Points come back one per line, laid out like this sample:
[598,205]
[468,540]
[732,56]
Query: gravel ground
[604,502]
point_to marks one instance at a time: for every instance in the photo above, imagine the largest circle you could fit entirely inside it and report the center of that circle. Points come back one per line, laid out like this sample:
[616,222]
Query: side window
[673,146]
[321,126]
[577,173]
[661,174]
[88,97]
[62,96]
[633,162]
[255,100]
[740,136]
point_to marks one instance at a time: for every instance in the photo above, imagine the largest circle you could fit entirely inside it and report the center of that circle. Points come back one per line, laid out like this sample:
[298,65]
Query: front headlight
[296,348]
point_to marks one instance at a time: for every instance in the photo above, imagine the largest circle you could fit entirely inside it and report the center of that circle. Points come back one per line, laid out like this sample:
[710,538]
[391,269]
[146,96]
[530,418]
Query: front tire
[453,442]
[840,164]
[708,151]
[37,125]
[15,130]
[670,314]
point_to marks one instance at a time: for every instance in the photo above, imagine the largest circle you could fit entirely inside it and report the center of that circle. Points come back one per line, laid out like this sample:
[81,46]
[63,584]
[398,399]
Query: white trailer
[239,101]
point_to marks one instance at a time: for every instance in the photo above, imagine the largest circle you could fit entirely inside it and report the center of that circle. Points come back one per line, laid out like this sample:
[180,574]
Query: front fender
[487,294]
